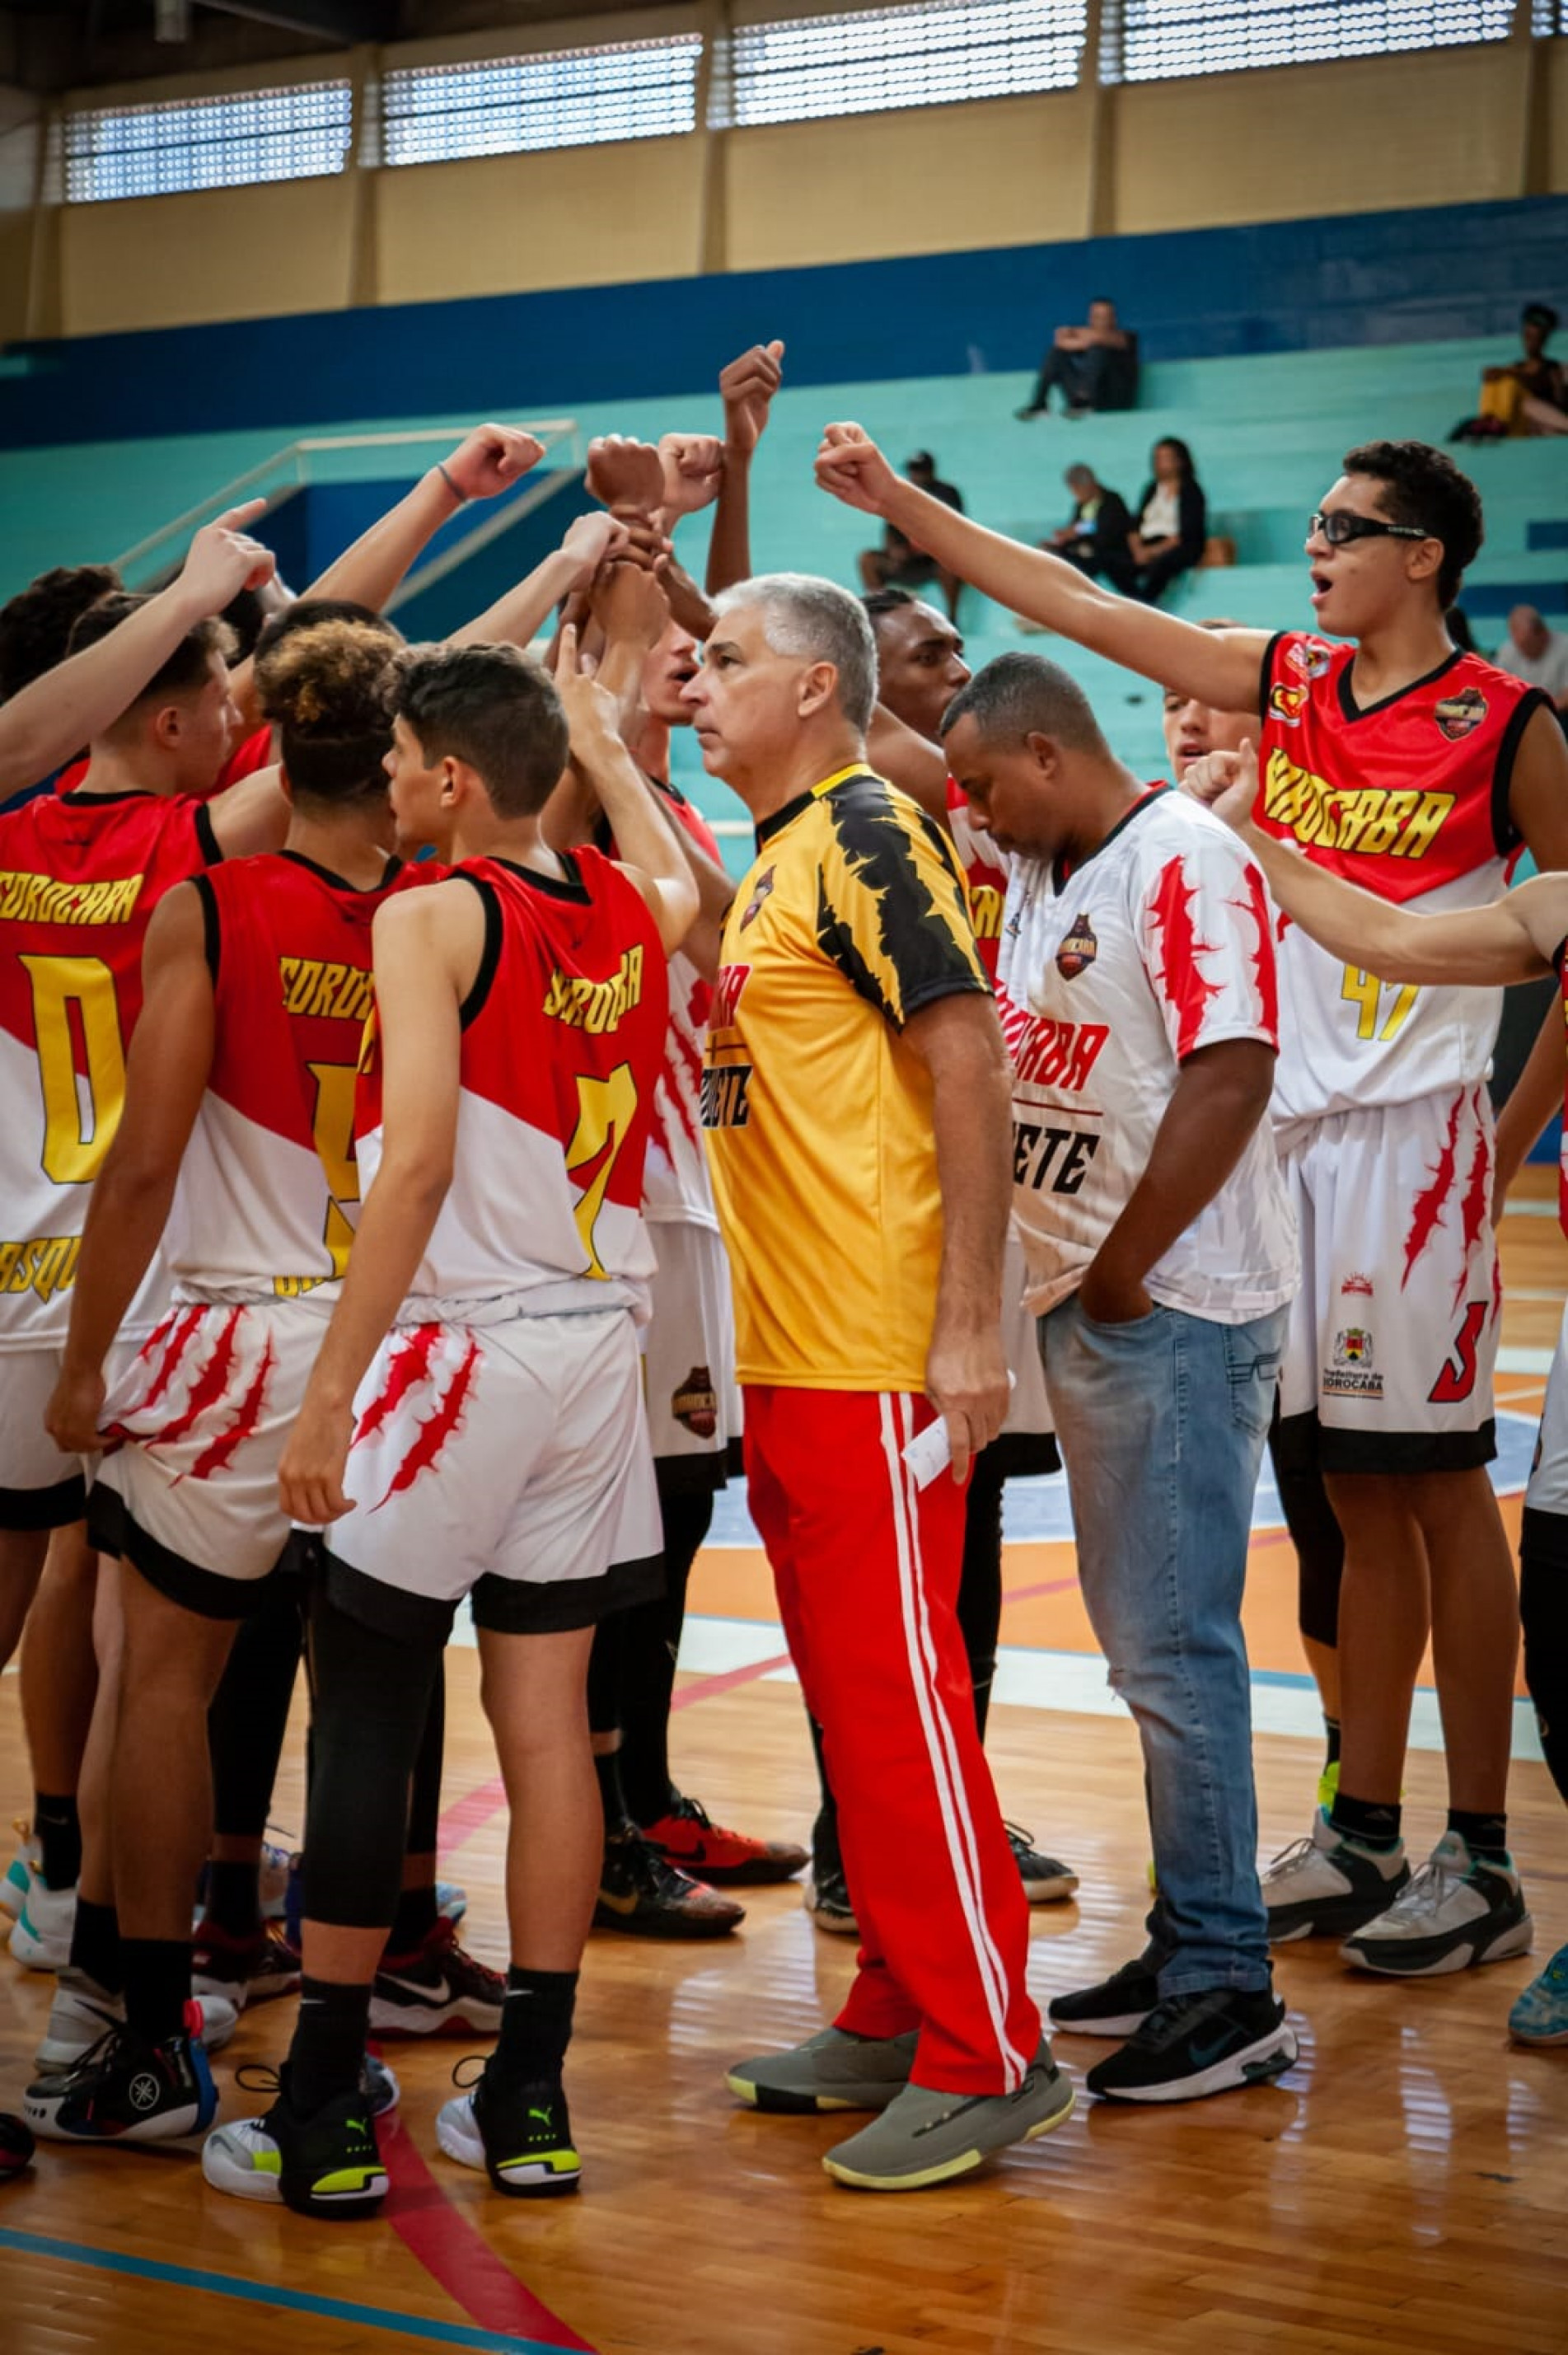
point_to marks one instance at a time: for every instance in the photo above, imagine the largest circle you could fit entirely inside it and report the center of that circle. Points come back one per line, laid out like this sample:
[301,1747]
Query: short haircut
[492,707]
[1423,487]
[1539,314]
[36,622]
[815,620]
[879,602]
[1079,473]
[184,672]
[325,687]
[1020,695]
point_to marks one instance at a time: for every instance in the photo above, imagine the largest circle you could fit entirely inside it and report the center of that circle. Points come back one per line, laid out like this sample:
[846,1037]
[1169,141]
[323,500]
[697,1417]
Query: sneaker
[639,1892]
[1329,1787]
[1326,1885]
[22,1870]
[825,1897]
[1119,2005]
[924,2137]
[83,2013]
[125,2090]
[831,2071]
[40,1935]
[329,2164]
[1044,1879]
[1541,2014]
[379,2086]
[1459,1909]
[687,1838]
[438,1990]
[1196,2044]
[243,1970]
[520,2135]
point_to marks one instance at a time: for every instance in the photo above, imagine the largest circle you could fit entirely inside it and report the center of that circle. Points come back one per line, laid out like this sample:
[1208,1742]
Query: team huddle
[425,1169]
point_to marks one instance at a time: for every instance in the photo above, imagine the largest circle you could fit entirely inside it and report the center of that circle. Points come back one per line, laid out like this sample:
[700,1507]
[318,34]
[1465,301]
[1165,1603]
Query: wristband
[461,497]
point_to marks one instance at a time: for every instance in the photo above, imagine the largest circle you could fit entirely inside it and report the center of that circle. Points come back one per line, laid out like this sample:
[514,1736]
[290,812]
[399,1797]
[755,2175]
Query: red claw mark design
[220,1452]
[1184,987]
[438,1427]
[408,1364]
[1427,1215]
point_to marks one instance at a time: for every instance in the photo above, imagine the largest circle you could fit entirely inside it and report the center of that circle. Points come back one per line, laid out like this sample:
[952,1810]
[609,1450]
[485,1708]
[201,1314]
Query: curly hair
[326,686]
[1423,487]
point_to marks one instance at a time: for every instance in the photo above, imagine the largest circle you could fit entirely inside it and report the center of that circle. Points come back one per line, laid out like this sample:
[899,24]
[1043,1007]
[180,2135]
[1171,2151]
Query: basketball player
[855,1104]
[478,1397]
[1419,771]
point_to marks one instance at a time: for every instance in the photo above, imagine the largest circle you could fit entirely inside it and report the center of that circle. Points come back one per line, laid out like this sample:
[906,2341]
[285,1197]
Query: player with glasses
[1338,526]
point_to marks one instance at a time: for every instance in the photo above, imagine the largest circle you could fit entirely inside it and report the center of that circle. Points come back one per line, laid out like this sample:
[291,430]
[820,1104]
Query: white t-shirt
[1161,517]
[1548,670]
[1158,945]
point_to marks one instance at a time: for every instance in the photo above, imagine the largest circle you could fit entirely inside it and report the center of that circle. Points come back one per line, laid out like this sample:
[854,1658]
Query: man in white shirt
[1137,993]
[1536,654]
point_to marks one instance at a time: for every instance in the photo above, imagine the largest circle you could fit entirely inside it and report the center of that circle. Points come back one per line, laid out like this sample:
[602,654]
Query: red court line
[706,1688]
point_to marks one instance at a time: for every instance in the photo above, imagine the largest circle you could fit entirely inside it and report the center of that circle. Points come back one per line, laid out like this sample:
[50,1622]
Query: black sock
[413,1920]
[157,1986]
[328,2051]
[607,1766]
[982,1687]
[1370,1821]
[58,1830]
[1331,1741]
[535,2025]
[95,1945]
[234,1900]
[1484,1834]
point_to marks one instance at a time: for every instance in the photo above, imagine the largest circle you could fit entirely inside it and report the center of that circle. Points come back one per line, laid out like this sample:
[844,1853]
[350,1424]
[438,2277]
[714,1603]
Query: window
[208,142]
[875,58]
[561,98]
[1550,17]
[1153,40]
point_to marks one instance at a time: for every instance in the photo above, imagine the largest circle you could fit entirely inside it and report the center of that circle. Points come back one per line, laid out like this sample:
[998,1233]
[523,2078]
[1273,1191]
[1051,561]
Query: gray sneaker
[924,2137]
[831,2071]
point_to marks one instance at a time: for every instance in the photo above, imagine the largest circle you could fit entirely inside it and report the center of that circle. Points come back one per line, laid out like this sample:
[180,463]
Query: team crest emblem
[1353,1346]
[755,905]
[1356,1288]
[1079,949]
[1310,656]
[1460,715]
[696,1403]
[1288,704]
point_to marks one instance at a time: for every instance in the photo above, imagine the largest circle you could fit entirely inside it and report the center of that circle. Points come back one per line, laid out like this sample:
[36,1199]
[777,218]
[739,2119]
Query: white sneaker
[1459,1909]
[83,2012]
[1327,1885]
[40,1936]
[21,1871]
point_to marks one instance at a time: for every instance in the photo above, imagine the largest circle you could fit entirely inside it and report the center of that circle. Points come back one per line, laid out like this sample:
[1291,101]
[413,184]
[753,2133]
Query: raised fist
[625,474]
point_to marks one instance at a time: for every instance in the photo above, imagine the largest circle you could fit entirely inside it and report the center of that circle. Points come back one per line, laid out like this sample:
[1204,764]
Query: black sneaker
[126,2090]
[640,1893]
[518,2135]
[1197,2044]
[825,1897]
[1118,2006]
[1044,1881]
[439,1989]
[328,2165]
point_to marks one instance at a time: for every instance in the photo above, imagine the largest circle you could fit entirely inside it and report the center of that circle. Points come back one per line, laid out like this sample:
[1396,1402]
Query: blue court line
[295,2301]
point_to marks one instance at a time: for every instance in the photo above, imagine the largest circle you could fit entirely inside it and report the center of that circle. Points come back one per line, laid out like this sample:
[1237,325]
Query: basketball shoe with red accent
[243,1970]
[688,1839]
[438,1990]
[640,1894]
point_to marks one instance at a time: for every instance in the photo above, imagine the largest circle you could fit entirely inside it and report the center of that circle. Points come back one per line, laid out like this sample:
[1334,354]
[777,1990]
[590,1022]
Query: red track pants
[867,1569]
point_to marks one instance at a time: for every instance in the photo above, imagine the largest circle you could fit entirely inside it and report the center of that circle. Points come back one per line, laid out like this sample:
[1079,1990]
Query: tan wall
[227,253]
[1554,65]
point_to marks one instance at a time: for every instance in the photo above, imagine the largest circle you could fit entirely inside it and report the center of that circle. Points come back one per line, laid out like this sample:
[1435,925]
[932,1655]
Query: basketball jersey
[252,752]
[985,876]
[79,878]
[1157,946]
[563,1036]
[1408,798]
[269,1189]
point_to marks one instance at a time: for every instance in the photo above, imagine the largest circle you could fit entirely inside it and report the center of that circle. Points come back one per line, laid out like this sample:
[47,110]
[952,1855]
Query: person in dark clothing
[1172,525]
[1092,367]
[1095,536]
[897,563]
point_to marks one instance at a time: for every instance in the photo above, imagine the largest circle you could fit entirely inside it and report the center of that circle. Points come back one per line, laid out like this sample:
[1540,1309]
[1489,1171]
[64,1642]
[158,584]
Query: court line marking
[292,2301]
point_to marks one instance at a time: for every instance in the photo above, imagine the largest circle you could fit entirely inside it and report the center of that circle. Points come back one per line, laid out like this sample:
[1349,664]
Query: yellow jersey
[817,1111]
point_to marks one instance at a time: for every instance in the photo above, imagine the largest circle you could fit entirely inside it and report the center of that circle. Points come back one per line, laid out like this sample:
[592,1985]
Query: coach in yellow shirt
[856,1107]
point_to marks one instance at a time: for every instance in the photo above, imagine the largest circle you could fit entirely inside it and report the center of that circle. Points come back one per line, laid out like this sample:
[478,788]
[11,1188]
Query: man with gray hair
[855,1100]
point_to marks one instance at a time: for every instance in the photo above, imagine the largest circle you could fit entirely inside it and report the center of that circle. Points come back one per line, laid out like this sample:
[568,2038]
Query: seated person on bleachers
[1095,537]
[1173,523]
[1529,395]
[1092,367]
[897,563]
[1537,654]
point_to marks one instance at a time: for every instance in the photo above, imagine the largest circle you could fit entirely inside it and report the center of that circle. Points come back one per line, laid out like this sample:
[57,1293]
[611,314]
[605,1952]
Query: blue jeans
[1161,1424]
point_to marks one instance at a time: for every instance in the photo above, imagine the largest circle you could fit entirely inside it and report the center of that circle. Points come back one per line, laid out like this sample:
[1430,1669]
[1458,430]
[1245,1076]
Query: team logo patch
[696,1403]
[755,905]
[1310,656]
[1352,1374]
[1460,715]
[1286,704]
[1356,1288]
[1078,950]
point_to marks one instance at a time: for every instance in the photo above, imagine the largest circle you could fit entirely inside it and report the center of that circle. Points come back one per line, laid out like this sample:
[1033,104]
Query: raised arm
[645,839]
[1221,667]
[518,618]
[747,387]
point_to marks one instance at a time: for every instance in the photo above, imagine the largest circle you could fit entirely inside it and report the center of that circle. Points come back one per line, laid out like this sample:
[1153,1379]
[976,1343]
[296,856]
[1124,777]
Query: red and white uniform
[79,880]
[1381,1106]
[258,1236]
[499,1433]
[1548,1488]
[1157,946]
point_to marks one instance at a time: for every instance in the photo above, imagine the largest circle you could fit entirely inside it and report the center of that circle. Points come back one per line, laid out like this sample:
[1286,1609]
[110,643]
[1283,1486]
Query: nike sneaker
[83,2013]
[243,1970]
[688,1839]
[640,1894]
[438,1990]
[1197,2044]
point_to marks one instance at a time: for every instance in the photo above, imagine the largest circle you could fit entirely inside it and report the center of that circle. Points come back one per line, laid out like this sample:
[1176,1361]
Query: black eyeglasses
[1339,525]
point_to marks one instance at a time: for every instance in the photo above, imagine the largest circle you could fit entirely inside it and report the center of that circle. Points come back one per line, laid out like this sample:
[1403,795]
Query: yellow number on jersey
[605,1110]
[1365,990]
[77,1132]
[331,1132]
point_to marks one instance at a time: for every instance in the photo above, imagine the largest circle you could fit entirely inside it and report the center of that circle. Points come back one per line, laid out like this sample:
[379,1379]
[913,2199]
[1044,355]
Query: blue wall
[1395,277]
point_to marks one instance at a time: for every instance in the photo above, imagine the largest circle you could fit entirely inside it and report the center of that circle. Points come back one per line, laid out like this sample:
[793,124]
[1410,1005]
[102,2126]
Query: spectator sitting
[897,563]
[1095,538]
[1094,367]
[1173,523]
[1532,651]
[1529,395]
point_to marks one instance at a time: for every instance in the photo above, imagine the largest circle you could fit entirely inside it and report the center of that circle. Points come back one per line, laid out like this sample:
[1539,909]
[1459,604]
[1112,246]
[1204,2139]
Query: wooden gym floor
[1400,2189]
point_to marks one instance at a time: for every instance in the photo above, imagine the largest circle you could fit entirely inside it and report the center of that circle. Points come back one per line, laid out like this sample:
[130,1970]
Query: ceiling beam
[348,21]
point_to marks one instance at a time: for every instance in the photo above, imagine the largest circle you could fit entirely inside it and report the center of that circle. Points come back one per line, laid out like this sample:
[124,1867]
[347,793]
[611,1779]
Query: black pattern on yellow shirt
[901,937]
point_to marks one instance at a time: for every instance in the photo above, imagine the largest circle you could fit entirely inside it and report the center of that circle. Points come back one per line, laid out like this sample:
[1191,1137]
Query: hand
[646,544]
[310,1477]
[593,541]
[491,459]
[850,467]
[223,559]
[689,607]
[593,713]
[747,387]
[1108,1298]
[693,470]
[74,1411]
[1226,783]
[625,474]
[629,605]
[966,1382]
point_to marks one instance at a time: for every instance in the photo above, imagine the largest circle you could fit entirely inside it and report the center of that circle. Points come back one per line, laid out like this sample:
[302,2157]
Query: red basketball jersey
[79,880]
[984,878]
[563,1041]
[676,1187]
